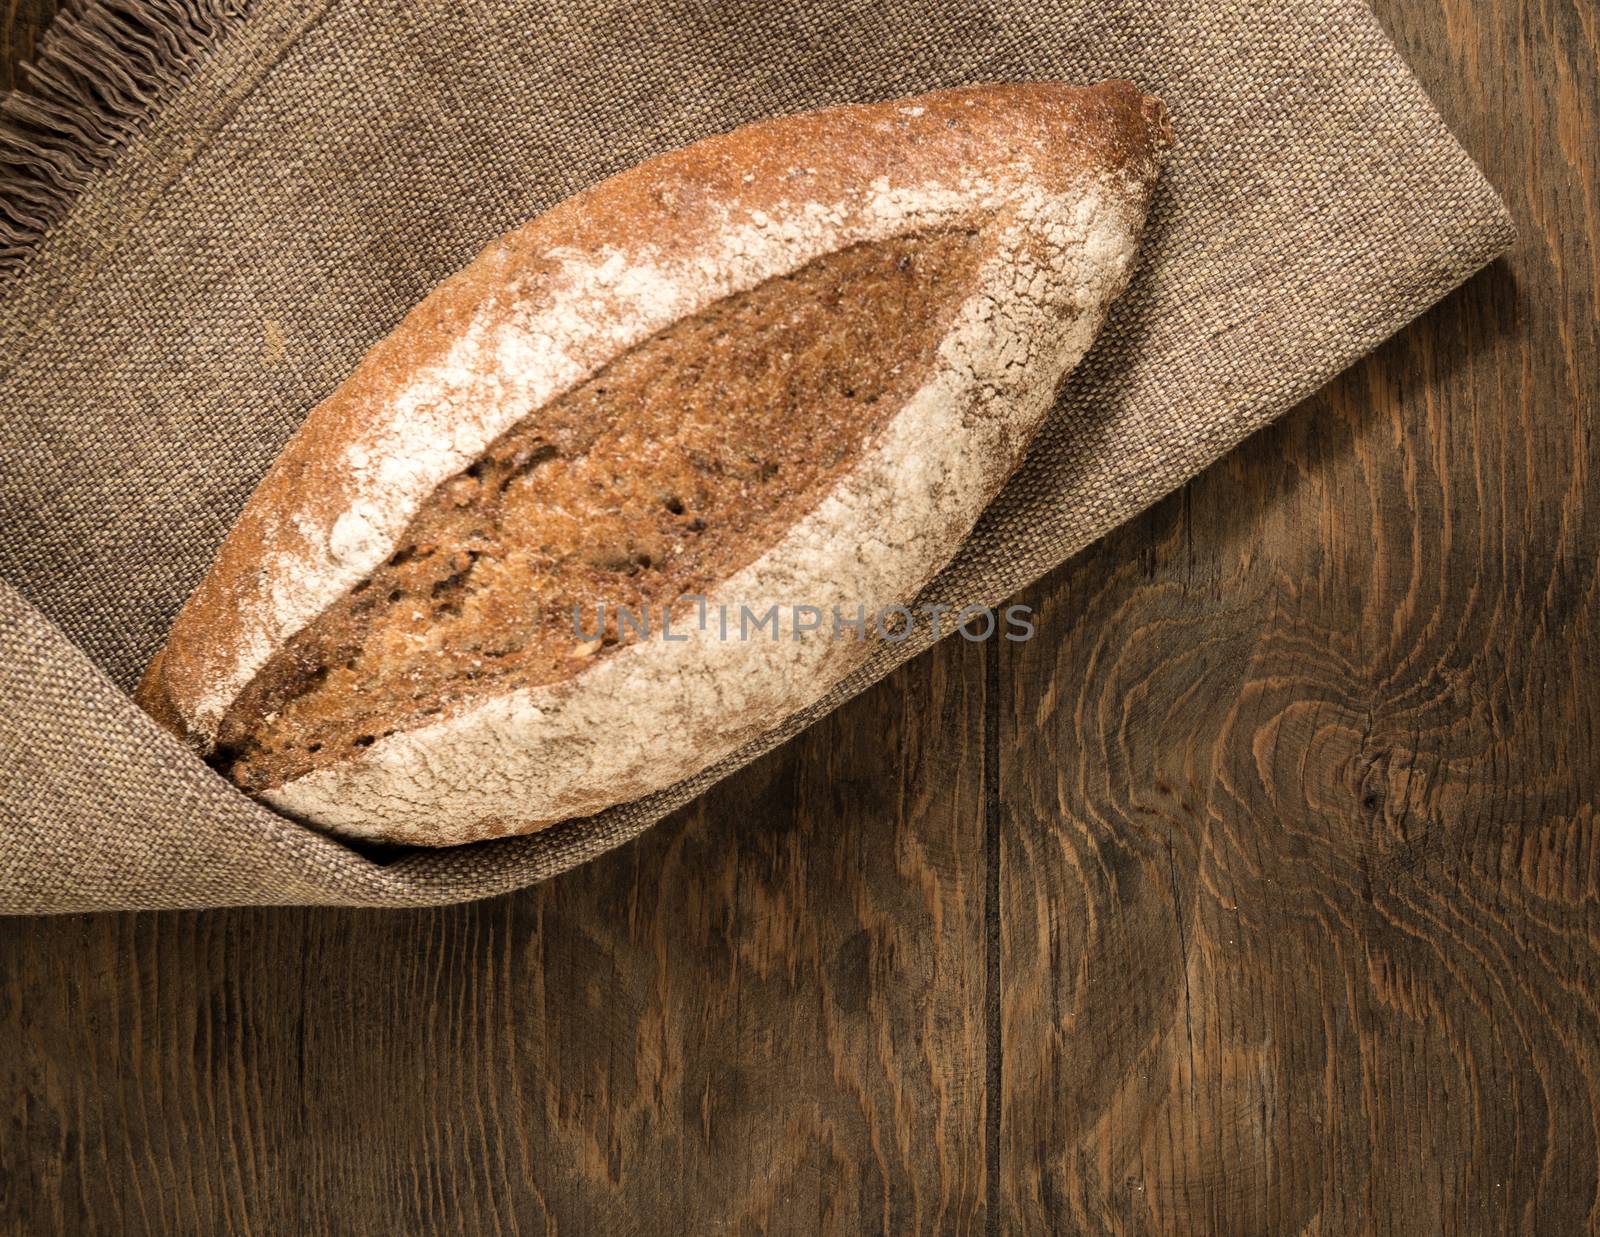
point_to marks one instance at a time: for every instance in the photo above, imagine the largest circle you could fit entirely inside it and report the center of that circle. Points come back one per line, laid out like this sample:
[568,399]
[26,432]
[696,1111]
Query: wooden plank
[21,24]
[766,1015]
[1300,896]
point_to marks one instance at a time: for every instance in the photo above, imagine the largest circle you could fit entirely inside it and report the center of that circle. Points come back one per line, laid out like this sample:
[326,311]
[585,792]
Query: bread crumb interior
[677,464]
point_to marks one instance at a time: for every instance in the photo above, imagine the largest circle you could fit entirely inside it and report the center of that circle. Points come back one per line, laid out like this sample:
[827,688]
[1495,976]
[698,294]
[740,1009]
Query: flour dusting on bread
[657,711]
[1055,180]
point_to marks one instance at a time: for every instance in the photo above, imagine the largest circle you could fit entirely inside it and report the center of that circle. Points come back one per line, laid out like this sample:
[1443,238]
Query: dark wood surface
[21,24]
[1259,894]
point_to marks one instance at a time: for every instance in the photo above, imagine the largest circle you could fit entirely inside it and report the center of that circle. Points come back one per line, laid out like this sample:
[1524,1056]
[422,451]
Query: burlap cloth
[212,266]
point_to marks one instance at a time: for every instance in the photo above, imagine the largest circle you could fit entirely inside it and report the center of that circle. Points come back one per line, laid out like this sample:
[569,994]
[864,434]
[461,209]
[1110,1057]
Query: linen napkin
[210,210]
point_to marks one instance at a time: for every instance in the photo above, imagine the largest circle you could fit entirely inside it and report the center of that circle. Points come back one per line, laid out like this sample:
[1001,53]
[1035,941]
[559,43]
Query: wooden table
[1259,894]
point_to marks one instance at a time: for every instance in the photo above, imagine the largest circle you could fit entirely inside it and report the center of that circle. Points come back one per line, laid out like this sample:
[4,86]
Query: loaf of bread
[783,367]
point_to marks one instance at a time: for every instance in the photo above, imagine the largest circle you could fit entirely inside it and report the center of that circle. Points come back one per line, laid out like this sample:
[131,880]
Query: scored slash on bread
[786,365]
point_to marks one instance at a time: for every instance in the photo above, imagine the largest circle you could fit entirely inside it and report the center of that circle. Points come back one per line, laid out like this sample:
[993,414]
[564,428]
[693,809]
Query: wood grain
[1301,852]
[1260,893]
[21,24]
[767,1016]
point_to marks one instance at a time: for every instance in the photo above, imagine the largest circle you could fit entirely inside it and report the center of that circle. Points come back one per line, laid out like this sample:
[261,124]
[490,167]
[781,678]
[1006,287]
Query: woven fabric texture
[325,164]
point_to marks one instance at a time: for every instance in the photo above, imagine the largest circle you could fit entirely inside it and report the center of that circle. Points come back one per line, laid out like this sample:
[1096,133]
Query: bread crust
[1062,176]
